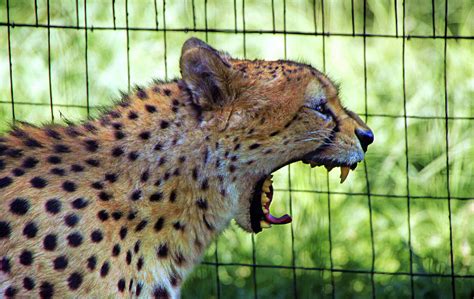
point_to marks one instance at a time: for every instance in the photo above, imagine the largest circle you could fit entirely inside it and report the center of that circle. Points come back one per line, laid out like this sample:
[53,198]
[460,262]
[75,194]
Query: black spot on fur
[28,283]
[69,186]
[132,115]
[5,182]
[202,204]
[103,215]
[46,290]
[74,239]
[97,185]
[61,149]
[26,258]
[173,196]
[53,134]
[53,206]
[205,184]
[254,146]
[60,263]
[104,196]
[77,168]
[38,182]
[178,225]
[136,247]
[18,172]
[58,171]
[116,250]
[19,206]
[10,292]
[74,281]
[123,232]
[50,242]
[117,152]
[5,266]
[119,135]
[141,94]
[132,215]
[150,108]
[140,226]
[93,162]
[136,195]
[164,124]
[91,145]
[160,293]
[121,285]
[157,196]
[29,162]
[140,263]
[162,251]
[117,215]
[132,156]
[30,230]
[159,224]
[71,220]
[162,161]
[104,270]
[79,203]
[91,262]
[33,143]
[128,258]
[144,135]
[97,236]
[14,153]
[111,177]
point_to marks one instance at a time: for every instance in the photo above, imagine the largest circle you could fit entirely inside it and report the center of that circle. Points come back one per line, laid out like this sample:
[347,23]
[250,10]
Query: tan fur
[205,169]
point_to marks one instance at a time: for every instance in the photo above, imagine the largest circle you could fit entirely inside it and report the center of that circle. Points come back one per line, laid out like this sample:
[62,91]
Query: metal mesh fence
[39,18]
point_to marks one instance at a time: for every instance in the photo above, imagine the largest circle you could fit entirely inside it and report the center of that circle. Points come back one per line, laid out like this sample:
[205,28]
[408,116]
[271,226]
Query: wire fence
[317,7]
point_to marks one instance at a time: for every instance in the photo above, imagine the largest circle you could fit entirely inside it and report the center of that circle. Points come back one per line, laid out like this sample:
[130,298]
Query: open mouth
[260,215]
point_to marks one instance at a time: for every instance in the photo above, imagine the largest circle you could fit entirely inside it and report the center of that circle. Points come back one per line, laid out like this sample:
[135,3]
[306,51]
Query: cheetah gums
[125,205]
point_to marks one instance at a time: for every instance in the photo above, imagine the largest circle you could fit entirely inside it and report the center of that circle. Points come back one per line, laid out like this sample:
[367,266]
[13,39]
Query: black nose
[366,137]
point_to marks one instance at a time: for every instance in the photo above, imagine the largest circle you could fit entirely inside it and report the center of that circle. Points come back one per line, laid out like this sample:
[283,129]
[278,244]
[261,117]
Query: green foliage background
[309,201]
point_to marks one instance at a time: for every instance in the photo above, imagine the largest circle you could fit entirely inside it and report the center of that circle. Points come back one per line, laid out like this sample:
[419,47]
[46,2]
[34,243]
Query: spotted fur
[125,205]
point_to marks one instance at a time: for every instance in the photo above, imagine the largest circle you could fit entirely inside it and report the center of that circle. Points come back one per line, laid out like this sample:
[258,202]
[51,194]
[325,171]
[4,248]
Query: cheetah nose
[365,136]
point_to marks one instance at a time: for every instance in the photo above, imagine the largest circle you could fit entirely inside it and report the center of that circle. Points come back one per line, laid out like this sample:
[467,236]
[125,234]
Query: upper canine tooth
[344,173]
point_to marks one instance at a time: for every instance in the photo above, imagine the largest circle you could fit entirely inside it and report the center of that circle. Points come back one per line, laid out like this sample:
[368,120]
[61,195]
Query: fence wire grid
[168,23]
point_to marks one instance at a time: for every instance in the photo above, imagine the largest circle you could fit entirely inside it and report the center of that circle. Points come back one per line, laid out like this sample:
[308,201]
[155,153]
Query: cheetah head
[272,113]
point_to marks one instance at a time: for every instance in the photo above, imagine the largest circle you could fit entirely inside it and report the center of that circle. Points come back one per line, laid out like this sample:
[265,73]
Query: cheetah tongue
[266,200]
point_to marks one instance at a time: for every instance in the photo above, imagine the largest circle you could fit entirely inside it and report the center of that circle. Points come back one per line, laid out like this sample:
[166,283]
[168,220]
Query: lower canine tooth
[264,198]
[264,224]
[344,173]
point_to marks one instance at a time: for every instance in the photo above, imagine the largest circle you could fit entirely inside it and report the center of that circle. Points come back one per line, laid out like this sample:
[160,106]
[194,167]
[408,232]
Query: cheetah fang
[125,205]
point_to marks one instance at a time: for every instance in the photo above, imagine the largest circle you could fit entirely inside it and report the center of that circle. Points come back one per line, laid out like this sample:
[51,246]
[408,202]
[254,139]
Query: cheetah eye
[320,107]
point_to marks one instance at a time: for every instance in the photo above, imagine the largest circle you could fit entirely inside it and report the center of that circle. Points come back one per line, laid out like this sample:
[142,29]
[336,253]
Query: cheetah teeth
[264,224]
[344,173]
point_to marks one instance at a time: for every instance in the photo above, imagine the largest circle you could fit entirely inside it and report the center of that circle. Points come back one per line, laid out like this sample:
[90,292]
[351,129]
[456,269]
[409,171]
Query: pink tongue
[272,219]
[280,220]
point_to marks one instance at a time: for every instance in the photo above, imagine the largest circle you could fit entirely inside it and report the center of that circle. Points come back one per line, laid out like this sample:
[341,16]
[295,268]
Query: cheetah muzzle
[125,205]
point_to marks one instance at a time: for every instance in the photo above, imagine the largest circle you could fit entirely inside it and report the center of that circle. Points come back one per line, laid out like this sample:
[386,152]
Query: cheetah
[126,204]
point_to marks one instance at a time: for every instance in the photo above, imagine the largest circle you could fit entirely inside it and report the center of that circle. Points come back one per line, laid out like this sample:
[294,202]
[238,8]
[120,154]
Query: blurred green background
[335,226]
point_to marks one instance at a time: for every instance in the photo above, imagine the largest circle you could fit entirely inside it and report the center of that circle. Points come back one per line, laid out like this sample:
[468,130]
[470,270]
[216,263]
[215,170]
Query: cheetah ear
[210,77]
